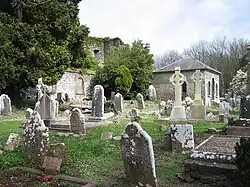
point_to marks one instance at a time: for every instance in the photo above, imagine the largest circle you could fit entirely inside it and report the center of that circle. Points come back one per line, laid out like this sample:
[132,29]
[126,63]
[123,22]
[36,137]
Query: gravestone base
[178,114]
[198,112]
[241,122]
[48,122]
[106,116]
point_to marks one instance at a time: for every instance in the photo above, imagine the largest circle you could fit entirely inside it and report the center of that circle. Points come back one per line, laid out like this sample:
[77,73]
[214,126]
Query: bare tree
[168,58]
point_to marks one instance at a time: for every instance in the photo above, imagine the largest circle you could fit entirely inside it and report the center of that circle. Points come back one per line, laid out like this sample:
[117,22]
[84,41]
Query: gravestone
[58,150]
[169,106]
[178,112]
[6,108]
[36,138]
[118,101]
[112,97]
[224,108]
[152,93]
[39,88]
[140,101]
[98,102]
[134,115]
[182,137]
[198,109]
[138,156]
[12,142]
[47,108]
[51,165]
[59,98]
[77,121]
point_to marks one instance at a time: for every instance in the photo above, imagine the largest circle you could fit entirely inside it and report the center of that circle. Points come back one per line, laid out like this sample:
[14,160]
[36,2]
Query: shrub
[242,160]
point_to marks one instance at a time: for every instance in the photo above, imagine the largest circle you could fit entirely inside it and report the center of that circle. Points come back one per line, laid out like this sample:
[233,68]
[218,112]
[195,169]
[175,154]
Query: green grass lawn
[94,159]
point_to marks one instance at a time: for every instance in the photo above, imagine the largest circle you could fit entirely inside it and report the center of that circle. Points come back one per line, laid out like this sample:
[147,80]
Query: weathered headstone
[59,98]
[12,142]
[36,137]
[51,165]
[47,108]
[58,150]
[98,102]
[224,108]
[134,115]
[140,101]
[138,156]
[6,109]
[169,106]
[152,93]
[112,97]
[198,109]
[182,137]
[118,101]
[178,112]
[77,121]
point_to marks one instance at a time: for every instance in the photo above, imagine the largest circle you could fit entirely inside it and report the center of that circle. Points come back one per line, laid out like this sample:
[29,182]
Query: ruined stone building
[210,84]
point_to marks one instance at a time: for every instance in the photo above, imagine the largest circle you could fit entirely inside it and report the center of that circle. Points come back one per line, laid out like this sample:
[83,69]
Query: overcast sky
[166,24]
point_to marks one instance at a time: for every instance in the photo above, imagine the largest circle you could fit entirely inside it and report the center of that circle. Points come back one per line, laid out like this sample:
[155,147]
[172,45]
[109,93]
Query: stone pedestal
[178,114]
[198,112]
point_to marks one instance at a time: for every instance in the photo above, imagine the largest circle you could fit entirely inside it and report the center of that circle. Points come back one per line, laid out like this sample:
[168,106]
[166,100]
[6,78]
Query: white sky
[166,24]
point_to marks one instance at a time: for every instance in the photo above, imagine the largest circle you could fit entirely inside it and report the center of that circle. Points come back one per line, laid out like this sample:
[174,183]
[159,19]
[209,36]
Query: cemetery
[79,110]
[117,142]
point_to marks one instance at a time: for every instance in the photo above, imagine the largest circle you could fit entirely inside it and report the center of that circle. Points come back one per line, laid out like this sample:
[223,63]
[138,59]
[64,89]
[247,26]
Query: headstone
[224,108]
[6,109]
[58,150]
[134,115]
[140,101]
[182,137]
[66,96]
[47,108]
[77,121]
[51,165]
[152,93]
[178,112]
[198,109]
[59,98]
[36,137]
[118,101]
[12,142]
[98,102]
[138,156]
[169,106]
[221,118]
[112,97]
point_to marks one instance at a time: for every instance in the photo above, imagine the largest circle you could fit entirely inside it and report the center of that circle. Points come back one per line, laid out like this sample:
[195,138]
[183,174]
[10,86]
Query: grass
[94,159]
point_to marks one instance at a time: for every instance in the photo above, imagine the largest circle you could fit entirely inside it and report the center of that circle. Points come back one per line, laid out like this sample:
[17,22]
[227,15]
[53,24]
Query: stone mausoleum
[209,86]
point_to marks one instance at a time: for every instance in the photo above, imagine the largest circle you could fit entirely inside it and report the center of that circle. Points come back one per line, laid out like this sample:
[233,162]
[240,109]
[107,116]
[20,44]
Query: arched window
[209,88]
[216,90]
[213,88]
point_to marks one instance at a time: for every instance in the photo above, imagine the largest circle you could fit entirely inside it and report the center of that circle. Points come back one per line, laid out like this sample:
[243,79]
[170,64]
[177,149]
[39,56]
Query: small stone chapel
[209,86]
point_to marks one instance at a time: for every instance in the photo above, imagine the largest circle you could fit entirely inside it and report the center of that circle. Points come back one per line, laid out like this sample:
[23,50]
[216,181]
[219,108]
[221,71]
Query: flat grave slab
[216,149]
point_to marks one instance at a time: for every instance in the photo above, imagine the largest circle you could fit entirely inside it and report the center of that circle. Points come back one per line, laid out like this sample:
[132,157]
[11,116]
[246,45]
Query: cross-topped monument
[178,112]
[197,77]
[198,109]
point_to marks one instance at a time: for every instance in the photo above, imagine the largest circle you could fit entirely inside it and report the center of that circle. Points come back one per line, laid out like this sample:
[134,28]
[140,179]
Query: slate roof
[188,64]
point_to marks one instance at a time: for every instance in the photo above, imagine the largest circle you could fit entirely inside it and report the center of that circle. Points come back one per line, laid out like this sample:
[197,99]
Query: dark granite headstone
[138,156]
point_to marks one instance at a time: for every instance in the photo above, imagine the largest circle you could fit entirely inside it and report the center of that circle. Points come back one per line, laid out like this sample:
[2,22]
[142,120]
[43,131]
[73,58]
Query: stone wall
[77,86]
[165,89]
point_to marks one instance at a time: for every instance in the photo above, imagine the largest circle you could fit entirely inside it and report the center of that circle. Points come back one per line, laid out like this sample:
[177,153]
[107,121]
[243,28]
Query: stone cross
[138,156]
[197,78]
[177,80]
